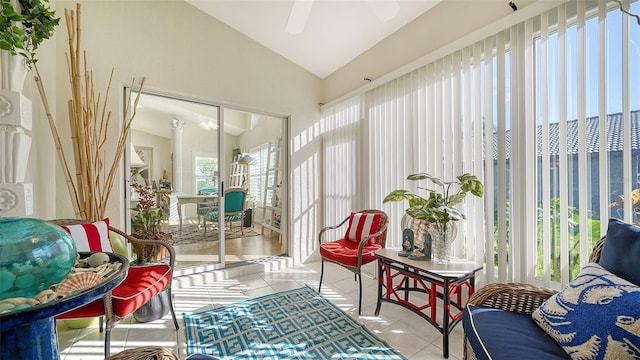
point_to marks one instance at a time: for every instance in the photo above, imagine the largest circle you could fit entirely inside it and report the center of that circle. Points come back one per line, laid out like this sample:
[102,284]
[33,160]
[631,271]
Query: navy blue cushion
[596,316]
[621,250]
[499,334]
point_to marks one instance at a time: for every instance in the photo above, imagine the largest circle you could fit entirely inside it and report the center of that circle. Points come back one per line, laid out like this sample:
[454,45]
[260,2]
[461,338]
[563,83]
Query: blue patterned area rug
[293,324]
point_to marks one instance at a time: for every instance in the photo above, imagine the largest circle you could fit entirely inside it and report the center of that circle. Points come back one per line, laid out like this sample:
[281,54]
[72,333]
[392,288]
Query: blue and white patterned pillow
[596,316]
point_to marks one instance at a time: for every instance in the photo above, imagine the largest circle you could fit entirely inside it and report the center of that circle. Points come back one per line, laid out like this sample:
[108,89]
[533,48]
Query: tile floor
[405,331]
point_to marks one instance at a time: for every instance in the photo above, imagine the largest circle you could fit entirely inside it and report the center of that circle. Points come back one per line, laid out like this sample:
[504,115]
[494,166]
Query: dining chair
[203,209]
[234,204]
[366,233]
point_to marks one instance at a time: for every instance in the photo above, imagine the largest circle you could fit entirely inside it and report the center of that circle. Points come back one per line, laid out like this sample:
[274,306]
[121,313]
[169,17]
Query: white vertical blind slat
[626,114]
[582,129]
[563,177]
[489,155]
[603,156]
[543,122]
[479,154]
[467,246]
[502,158]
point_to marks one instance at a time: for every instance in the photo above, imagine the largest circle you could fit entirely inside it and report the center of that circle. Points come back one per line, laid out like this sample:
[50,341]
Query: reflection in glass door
[175,152]
[190,153]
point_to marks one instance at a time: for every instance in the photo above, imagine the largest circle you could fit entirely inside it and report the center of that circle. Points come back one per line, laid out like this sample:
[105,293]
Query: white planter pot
[13,72]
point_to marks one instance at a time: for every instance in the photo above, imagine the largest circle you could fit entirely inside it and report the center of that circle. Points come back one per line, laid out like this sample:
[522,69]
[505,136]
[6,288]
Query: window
[524,110]
[584,131]
[258,173]
[205,173]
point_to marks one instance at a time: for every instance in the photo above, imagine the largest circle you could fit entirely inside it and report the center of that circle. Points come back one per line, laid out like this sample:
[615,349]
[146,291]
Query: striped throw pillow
[91,236]
[361,225]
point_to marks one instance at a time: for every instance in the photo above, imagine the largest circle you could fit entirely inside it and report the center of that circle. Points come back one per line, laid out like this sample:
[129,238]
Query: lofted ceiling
[329,36]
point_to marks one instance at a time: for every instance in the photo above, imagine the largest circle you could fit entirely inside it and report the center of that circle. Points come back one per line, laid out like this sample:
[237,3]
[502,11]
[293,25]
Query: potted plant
[147,224]
[438,208]
[24,25]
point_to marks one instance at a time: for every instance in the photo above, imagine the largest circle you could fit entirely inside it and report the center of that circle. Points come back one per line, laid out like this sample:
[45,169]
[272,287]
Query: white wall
[161,151]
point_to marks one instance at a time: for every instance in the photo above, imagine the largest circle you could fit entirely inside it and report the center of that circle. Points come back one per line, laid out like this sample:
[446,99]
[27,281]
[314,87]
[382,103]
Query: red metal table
[452,283]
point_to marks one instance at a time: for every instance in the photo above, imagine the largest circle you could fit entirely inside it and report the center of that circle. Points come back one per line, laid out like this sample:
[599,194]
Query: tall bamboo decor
[89,120]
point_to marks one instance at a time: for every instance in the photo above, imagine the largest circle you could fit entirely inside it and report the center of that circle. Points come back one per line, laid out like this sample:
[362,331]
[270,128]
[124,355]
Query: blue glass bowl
[34,254]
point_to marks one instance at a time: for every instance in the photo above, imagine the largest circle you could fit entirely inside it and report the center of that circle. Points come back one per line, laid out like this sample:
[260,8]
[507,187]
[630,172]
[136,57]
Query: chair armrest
[511,296]
[324,229]
[133,240]
[374,235]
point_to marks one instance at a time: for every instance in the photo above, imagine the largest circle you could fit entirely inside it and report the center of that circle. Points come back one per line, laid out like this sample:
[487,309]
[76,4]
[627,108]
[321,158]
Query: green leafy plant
[438,207]
[24,29]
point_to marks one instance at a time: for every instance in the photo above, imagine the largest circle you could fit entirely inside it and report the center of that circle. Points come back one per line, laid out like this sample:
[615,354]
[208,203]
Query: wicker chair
[143,281]
[516,297]
[351,253]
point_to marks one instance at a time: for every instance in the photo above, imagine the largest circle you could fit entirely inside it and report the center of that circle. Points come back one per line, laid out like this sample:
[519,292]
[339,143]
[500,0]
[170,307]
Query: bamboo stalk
[89,122]
[56,139]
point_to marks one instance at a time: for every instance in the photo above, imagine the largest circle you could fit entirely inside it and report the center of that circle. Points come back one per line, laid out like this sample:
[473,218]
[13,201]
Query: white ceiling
[336,31]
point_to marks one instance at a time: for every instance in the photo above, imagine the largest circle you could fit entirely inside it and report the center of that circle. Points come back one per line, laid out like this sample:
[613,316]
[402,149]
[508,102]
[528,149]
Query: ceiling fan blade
[298,16]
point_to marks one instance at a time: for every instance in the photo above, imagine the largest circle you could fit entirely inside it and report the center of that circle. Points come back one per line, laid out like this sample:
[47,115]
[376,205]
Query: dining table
[194,199]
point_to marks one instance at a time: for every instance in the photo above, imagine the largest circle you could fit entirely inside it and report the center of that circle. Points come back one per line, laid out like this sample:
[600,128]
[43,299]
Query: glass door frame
[127,92]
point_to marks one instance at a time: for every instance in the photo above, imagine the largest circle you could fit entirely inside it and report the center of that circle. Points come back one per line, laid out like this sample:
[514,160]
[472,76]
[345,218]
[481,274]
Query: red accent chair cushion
[361,225]
[345,252]
[141,284]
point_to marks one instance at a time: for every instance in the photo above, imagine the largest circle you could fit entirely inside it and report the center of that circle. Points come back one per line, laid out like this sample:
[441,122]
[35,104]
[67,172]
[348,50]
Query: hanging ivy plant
[23,30]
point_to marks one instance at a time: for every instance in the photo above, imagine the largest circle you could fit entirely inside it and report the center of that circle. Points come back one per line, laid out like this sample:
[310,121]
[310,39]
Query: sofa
[595,316]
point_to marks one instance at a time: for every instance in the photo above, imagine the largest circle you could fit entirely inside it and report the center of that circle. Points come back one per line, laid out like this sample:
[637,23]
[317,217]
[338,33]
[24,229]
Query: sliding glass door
[176,152]
[191,155]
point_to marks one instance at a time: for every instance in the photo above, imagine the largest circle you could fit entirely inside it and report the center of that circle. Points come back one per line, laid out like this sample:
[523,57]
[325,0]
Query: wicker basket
[145,353]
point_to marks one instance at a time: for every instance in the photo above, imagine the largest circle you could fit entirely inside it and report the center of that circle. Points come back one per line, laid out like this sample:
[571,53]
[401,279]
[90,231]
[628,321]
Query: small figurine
[407,243]
[423,254]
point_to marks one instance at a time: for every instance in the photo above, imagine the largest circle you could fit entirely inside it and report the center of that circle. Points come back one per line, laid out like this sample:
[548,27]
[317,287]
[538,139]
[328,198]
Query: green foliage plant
[438,207]
[24,29]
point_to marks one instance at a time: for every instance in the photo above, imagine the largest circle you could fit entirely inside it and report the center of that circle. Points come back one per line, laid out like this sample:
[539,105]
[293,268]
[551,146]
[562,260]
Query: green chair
[234,201]
[204,209]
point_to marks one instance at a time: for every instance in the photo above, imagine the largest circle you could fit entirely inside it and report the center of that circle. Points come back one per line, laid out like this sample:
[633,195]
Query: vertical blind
[541,112]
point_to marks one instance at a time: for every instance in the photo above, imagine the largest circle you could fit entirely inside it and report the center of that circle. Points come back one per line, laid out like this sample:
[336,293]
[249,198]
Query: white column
[176,147]
[16,197]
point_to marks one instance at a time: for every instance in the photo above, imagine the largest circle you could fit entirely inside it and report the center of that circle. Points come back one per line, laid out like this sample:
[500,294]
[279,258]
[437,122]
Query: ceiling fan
[384,10]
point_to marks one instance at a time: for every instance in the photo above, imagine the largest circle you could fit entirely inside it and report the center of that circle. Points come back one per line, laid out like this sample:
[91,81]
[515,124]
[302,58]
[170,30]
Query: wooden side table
[399,276]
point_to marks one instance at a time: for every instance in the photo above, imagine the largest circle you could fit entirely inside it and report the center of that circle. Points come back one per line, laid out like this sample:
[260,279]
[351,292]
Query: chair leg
[173,313]
[107,343]
[360,294]
[321,273]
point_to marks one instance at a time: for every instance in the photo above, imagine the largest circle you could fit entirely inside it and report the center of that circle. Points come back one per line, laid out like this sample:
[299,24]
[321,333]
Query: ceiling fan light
[384,10]
[298,16]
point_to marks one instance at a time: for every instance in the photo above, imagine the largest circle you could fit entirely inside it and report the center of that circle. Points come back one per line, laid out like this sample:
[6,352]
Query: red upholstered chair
[143,281]
[366,233]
